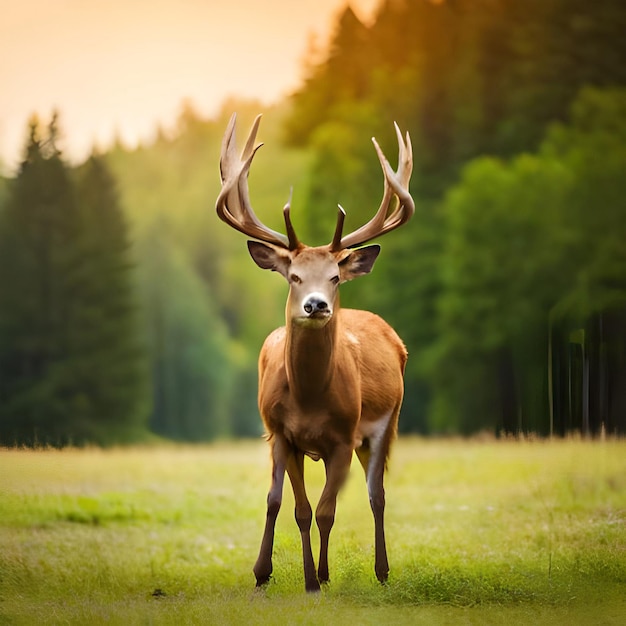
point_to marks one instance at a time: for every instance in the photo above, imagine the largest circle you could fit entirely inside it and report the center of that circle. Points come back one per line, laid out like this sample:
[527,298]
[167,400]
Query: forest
[128,311]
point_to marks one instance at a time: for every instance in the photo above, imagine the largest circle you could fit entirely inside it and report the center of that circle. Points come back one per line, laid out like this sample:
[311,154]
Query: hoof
[262,581]
[382,577]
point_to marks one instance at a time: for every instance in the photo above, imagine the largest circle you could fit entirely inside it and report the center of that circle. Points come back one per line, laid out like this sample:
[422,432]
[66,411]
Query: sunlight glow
[120,68]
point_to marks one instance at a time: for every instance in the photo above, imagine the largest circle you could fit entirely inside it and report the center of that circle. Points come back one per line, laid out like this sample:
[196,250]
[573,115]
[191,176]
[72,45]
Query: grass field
[479,532]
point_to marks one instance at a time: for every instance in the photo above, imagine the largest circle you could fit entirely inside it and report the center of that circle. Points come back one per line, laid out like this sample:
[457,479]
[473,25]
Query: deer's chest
[317,434]
[315,427]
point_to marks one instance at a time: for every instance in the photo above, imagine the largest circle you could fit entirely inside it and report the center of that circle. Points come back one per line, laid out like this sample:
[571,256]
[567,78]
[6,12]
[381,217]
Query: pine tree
[106,345]
[38,227]
[66,347]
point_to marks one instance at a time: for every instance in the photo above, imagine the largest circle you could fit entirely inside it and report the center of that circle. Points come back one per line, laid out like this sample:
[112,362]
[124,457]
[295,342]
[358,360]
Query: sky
[119,68]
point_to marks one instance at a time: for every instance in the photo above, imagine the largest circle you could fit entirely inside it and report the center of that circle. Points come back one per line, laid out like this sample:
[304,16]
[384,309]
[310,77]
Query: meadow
[479,532]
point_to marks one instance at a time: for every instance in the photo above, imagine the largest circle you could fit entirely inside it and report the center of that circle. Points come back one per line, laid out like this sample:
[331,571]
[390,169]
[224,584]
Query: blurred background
[129,312]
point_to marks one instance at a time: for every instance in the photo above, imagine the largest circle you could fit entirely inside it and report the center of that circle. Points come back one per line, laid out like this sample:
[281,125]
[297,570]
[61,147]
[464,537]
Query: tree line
[72,367]
[128,308]
[510,285]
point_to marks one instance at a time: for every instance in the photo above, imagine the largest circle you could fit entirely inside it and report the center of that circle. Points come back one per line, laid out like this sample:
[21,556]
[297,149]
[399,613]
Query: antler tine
[233,203]
[291,233]
[341,216]
[395,184]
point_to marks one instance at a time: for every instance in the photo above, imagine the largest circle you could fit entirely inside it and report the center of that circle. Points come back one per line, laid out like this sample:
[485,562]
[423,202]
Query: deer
[331,380]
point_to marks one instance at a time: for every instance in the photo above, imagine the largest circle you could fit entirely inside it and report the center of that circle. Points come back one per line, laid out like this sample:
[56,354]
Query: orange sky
[122,66]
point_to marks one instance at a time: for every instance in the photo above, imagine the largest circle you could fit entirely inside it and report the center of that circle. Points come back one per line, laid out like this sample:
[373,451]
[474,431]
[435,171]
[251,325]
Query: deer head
[313,273]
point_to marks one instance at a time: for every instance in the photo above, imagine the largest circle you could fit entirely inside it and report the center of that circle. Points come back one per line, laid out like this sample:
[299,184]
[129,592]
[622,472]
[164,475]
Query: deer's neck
[310,359]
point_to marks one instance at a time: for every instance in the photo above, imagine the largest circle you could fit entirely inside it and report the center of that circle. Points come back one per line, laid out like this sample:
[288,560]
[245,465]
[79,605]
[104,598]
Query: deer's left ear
[358,262]
[269,257]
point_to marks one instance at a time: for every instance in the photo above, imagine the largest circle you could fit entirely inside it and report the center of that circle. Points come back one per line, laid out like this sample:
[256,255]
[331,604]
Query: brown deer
[331,379]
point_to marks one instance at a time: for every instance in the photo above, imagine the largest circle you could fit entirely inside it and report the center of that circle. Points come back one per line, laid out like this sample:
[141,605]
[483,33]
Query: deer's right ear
[269,257]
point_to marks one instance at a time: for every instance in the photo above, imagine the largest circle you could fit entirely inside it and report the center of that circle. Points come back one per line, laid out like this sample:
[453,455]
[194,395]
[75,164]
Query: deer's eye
[295,279]
[335,280]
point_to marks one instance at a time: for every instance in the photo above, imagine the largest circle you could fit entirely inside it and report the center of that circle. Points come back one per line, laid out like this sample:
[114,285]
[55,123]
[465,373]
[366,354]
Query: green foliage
[507,287]
[190,356]
[341,173]
[205,309]
[529,245]
[71,369]
[516,116]
[466,77]
[595,207]
[478,532]
[4,191]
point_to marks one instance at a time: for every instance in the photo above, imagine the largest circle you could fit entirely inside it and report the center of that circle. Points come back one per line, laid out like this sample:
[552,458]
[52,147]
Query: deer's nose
[315,303]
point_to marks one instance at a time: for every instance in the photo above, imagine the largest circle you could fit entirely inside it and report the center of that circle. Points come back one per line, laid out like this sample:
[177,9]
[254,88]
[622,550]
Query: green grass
[479,532]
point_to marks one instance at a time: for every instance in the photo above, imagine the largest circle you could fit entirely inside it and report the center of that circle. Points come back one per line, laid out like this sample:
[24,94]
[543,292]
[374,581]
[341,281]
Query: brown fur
[326,389]
[330,381]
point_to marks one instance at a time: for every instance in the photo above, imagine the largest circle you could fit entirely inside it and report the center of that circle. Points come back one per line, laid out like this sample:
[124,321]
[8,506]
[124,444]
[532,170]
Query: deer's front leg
[337,468]
[263,566]
[304,516]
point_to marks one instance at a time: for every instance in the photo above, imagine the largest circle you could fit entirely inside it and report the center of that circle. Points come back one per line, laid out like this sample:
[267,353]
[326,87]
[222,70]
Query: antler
[233,203]
[396,184]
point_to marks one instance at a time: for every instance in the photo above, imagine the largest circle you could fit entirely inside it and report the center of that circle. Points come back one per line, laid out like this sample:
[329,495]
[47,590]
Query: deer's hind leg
[373,457]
